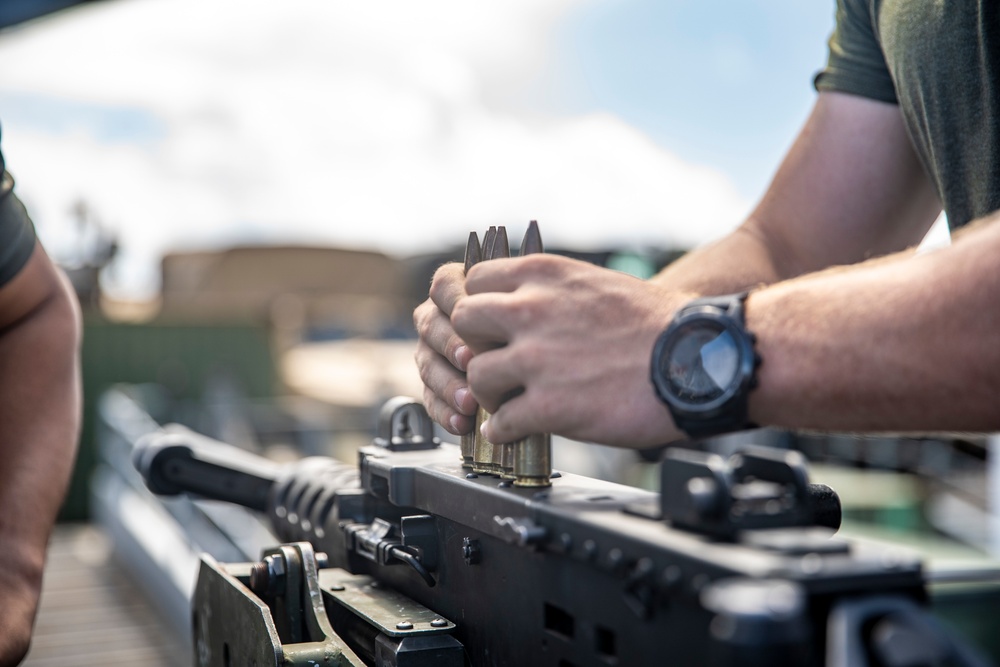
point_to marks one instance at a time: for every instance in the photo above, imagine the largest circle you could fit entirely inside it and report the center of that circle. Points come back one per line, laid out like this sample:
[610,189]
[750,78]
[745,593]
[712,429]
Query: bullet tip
[501,247]
[532,241]
[473,251]
[488,240]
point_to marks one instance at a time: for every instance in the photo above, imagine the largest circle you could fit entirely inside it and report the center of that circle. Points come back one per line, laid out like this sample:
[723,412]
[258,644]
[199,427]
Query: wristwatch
[704,366]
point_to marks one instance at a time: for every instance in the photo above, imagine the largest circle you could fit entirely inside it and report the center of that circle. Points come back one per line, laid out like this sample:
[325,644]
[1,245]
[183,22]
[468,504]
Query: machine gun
[411,559]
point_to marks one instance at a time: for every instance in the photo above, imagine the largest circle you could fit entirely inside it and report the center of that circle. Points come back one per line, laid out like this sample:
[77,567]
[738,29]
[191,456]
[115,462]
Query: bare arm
[904,343]
[39,422]
[851,187]
[897,345]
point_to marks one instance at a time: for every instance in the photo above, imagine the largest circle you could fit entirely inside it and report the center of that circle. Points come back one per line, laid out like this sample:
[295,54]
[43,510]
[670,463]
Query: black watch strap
[735,421]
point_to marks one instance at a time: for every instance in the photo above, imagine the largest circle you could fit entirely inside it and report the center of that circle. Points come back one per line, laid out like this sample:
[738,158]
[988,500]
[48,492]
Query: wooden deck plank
[91,615]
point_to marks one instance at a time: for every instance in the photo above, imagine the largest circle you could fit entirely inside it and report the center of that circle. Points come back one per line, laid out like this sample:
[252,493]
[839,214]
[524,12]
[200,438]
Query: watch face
[702,363]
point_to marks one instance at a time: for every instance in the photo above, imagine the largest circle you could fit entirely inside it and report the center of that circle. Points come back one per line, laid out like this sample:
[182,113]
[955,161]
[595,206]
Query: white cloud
[377,124]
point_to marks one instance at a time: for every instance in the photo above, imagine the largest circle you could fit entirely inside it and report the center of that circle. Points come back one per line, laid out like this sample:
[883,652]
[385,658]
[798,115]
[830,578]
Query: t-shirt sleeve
[17,234]
[856,64]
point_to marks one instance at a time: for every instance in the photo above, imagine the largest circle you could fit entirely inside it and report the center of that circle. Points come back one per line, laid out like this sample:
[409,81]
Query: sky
[400,126]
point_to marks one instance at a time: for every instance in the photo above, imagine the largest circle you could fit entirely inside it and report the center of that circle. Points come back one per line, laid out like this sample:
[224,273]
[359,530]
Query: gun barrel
[177,460]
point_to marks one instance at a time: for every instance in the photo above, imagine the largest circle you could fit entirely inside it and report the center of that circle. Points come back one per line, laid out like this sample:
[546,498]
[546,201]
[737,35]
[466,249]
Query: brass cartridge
[533,461]
[533,455]
[482,455]
[502,462]
[508,451]
[482,461]
[473,255]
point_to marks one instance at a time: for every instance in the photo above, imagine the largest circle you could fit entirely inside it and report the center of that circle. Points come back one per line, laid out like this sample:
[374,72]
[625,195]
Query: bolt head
[275,566]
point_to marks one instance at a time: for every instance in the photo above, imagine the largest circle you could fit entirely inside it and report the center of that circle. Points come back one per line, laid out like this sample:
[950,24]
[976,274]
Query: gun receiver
[411,559]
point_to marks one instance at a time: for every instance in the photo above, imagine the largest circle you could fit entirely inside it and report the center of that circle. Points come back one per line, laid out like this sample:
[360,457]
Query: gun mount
[412,559]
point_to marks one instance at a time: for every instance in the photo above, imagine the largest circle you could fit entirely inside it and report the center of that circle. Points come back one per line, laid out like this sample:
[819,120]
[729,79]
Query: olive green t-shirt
[17,234]
[940,61]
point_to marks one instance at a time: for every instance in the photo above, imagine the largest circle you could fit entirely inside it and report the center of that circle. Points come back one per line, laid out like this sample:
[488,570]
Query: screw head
[471,551]
[404,625]
[439,623]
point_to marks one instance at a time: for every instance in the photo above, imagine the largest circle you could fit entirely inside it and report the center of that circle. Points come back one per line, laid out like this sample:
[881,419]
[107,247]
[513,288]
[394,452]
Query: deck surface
[91,615]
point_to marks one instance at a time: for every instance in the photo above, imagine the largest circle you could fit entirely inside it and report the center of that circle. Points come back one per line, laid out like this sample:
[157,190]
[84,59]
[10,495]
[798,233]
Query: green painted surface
[180,356]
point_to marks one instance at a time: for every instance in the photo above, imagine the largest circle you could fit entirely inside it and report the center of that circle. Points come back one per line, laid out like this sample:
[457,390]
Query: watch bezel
[708,316]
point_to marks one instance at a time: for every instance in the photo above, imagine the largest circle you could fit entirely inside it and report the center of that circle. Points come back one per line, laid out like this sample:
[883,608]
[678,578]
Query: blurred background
[395,126]
[251,197]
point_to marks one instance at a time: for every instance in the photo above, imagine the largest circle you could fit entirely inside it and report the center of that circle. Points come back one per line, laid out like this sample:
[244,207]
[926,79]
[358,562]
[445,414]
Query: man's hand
[442,356]
[560,346]
[550,345]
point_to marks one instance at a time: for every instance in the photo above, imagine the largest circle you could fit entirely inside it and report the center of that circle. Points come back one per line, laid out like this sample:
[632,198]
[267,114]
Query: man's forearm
[740,261]
[907,343]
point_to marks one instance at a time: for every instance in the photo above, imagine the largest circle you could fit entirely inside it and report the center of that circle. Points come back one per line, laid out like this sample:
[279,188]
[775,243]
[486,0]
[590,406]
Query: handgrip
[177,460]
